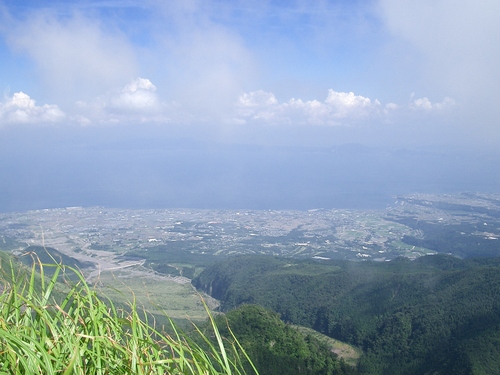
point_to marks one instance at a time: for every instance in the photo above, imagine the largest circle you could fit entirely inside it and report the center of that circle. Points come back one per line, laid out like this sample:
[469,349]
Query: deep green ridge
[277,348]
[435,315]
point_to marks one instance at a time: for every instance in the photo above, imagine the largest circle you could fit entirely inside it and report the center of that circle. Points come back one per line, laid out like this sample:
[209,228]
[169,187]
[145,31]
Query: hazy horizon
[246,104]
[186,174]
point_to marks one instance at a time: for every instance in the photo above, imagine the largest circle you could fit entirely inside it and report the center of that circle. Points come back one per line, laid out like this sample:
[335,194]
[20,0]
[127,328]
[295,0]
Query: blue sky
[380,73]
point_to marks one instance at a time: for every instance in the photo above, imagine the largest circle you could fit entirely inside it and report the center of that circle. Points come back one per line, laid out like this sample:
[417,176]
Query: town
[316,233]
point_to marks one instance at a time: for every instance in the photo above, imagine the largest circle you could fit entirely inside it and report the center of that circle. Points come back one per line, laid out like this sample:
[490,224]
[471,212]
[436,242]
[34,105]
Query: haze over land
[256,105]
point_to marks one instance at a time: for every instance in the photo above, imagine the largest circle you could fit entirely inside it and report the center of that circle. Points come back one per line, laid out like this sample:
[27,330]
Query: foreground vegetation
[51,327]
[435,315]
[46,328]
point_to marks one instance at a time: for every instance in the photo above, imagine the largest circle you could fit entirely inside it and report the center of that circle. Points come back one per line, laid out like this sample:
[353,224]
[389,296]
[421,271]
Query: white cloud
[339,108]
[257,104]
[344,104]
[425,104]
[80,52]
[137,95]
[136,102]
[75,56]
[82,120]
[257,98]
[458,52]
[21,109]
[204,63]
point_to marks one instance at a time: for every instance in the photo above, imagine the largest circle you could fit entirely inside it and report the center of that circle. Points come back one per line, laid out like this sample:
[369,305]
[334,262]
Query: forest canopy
[434,315]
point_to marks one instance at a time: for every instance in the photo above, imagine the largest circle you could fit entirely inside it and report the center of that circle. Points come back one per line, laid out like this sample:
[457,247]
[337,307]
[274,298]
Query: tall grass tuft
[78,332]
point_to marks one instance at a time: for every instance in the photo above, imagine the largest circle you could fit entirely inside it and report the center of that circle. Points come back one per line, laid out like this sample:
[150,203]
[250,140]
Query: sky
[246,104]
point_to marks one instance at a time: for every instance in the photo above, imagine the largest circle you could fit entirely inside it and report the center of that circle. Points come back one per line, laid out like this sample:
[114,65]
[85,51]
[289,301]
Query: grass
[348,353]
[48,329]
[178,301]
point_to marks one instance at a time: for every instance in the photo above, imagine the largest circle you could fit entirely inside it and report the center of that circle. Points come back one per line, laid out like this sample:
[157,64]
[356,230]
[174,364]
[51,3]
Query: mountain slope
[434,315]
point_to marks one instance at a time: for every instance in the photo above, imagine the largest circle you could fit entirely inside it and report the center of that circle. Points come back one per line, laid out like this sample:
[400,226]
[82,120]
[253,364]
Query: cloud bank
[21,109]
[226,64]
[337,109]
[457,48]
[138,102]
[137,95]
[75,57]
[426,105]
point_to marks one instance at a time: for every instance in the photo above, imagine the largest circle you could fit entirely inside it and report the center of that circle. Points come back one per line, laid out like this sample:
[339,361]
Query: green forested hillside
[434,315]
[49,255]
[277,348]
